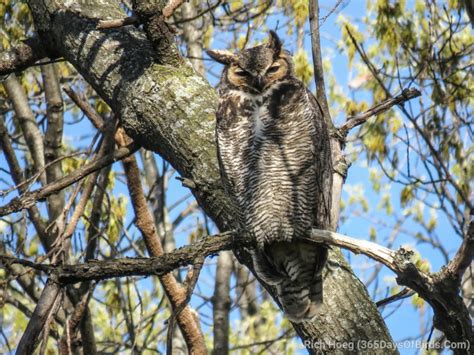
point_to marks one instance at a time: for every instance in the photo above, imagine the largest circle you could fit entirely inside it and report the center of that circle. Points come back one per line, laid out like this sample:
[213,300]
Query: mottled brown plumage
[273,147]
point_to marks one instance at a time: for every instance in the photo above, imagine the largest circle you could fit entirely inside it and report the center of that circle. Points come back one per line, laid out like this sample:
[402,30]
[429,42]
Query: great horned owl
[274,157]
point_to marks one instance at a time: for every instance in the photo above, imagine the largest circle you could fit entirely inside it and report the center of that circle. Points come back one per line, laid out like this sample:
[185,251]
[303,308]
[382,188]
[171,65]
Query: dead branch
[405,293]
[96,270]
[115,23]
[440,289]
[171,6]
[354,121]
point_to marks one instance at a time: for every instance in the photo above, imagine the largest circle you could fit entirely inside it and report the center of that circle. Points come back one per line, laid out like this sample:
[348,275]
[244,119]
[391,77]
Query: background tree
[85,78]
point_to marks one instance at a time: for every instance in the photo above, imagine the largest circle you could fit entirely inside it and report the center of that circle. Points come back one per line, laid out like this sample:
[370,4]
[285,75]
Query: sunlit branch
[359,119]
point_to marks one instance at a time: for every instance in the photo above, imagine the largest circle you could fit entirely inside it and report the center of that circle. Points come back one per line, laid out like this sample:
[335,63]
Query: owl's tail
[295,269]
[300,303]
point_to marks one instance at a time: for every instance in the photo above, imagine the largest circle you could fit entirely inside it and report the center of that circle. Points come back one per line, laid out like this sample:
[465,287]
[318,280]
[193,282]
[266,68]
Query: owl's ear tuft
[222,56]
[274,42]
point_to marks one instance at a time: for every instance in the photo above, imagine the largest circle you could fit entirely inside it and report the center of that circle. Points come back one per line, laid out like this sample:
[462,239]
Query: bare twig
[406,292]
[171,6]
[359,119]
[115,23]
[84,105]
[6,260]
[29,199]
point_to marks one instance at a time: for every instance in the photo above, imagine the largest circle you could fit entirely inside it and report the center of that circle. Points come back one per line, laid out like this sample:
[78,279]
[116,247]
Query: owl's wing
[322,162]
[225,108]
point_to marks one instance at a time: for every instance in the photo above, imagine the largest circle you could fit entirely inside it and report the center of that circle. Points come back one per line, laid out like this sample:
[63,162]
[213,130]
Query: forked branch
[440,290]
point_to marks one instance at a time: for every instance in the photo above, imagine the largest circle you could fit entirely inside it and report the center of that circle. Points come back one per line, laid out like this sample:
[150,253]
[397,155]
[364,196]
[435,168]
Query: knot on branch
[402,260]
[160,34]
[341,166]
[410,93]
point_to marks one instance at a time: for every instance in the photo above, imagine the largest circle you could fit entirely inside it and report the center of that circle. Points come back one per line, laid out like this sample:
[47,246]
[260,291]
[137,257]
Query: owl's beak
[259,82]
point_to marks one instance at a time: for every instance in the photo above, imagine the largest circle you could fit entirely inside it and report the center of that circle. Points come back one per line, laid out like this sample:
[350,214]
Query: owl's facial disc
[258,80]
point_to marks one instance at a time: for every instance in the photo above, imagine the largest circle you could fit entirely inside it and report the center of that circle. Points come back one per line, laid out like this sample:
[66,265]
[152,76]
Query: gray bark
[42,312]
[171,110]
[192,35]
[467,290]
[27,121]
[53,136]
[18,178]
[221,303]
[246,291]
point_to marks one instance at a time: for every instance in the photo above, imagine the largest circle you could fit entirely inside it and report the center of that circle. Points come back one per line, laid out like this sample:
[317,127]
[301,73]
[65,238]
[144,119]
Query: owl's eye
[241,72]
[273,69]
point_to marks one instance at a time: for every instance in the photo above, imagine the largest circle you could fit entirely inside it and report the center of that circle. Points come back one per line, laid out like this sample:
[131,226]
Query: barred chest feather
[266,152]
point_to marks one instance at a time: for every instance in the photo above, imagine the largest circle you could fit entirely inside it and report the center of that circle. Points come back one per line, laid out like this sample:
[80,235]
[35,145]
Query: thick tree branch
[151,15]
[145,223]
[22,56]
